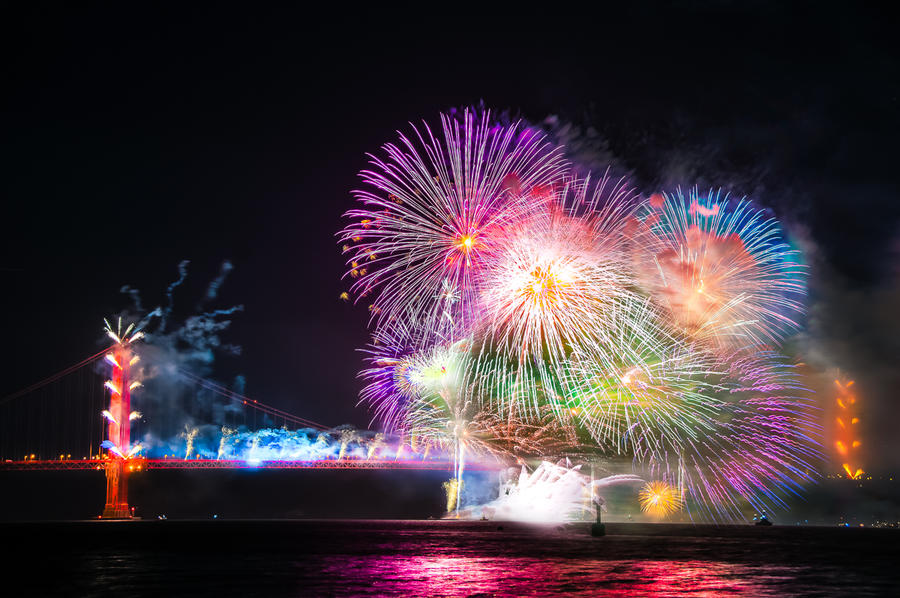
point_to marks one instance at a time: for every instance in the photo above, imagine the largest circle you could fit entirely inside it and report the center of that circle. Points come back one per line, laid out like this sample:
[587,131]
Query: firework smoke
[170,358]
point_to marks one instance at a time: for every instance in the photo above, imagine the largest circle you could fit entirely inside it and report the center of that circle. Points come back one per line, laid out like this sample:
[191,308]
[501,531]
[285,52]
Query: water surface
[443,558]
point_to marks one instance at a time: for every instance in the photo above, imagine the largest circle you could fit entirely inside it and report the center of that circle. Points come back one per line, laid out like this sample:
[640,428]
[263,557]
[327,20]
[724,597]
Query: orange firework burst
[846,425]
[659,499]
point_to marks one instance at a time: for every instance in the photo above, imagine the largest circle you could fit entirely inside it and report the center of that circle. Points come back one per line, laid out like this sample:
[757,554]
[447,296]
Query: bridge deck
[146,464]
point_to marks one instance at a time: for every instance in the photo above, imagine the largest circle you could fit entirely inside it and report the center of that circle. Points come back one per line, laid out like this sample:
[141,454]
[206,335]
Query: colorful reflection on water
[445,558]
[468,576]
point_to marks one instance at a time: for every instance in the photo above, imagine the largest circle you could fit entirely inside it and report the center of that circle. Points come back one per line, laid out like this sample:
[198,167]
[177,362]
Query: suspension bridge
[82,419]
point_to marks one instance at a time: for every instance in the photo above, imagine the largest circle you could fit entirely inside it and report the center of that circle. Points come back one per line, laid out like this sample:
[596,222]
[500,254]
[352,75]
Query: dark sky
[134,137]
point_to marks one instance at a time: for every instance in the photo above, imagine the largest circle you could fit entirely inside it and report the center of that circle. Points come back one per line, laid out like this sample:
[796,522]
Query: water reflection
[467,576]
[391,558]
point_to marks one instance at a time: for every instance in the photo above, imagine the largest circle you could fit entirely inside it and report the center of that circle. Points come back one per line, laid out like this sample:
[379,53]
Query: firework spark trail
[440,408]
[452,490]
[443,412]
[719,268]
[727,417]
[435,207]
[546,293]
[424,396]
[189,434]
[552,492]
[390,376]
[651,386]
[762,446]
[375,444]
[549,287]
[518,308]
[280,444]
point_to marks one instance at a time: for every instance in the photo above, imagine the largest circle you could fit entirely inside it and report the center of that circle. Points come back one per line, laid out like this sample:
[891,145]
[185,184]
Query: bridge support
[116,491]
[119,430]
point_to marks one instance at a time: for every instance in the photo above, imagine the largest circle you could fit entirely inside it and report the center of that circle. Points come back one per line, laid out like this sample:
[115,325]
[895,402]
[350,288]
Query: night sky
[135,137]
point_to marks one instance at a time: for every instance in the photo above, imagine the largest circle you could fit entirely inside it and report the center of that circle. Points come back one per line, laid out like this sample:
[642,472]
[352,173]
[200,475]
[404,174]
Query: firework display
[659,499]
[433,211]
[522,311]
[722,274]
[550,493]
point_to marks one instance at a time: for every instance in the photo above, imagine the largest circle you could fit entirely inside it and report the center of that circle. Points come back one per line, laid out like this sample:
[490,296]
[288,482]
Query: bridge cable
[55,376]
[268,409]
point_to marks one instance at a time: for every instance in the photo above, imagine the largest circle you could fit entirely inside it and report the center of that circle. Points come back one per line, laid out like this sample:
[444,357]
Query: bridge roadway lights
[118,470]
[139,464]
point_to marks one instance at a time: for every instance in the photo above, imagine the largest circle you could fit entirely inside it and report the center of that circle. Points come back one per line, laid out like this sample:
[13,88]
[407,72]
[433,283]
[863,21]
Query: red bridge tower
[119,416]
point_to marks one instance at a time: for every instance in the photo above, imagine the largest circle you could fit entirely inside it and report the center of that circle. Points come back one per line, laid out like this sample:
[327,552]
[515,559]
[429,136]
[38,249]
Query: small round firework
[659,499]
